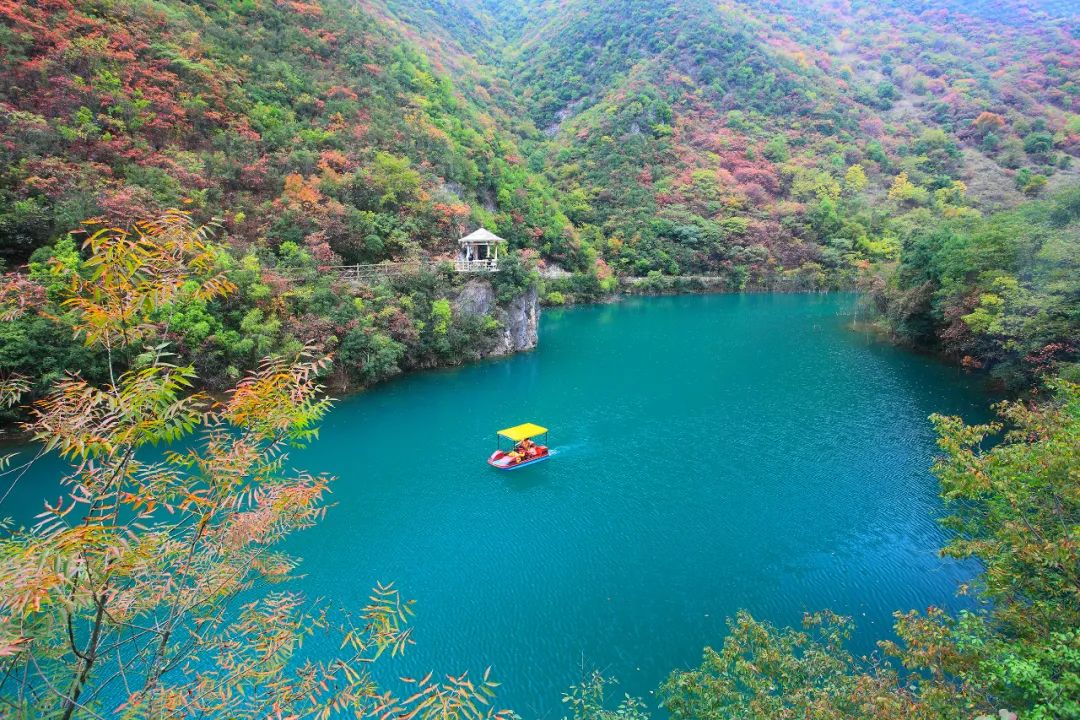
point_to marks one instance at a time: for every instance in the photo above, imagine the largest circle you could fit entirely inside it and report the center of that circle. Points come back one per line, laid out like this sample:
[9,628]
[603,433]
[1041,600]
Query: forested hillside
[747,137]
[998,293]
[182,183]
[315,132]
[768,144]
[123,108]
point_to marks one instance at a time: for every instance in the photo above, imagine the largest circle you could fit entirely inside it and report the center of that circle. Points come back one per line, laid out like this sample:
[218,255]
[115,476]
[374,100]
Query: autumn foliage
[151,587]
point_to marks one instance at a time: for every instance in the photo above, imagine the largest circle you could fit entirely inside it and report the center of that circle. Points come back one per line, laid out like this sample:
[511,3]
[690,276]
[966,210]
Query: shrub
[555,298]
[1038,143]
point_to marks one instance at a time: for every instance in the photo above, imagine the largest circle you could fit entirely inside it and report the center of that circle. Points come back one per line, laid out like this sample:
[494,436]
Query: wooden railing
[364,273]
[485,265]
[383,270]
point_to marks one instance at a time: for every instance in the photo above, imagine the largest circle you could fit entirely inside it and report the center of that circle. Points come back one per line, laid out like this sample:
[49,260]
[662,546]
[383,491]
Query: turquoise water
[711,453]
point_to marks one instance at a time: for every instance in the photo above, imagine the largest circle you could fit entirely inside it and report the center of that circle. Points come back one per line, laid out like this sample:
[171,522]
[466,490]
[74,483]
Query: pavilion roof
[481,236]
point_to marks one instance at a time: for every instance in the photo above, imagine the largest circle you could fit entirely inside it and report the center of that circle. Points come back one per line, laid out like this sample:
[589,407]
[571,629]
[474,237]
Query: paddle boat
[524,451]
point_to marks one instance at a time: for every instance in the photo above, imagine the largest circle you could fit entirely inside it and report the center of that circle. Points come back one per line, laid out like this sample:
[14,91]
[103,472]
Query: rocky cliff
[518,319]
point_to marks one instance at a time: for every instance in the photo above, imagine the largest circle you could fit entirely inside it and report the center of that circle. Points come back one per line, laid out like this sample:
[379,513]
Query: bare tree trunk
[89,655]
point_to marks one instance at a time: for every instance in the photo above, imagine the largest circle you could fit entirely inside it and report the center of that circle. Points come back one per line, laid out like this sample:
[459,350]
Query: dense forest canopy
[768,144]
[925,152]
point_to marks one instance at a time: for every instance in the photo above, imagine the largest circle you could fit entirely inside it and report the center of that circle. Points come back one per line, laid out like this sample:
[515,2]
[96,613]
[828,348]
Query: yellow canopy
[520,432]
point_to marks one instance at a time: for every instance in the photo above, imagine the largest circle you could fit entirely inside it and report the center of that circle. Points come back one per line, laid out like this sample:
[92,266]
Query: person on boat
[527,448]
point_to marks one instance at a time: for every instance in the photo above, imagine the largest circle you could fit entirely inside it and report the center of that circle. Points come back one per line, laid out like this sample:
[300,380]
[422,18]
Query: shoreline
[11,436]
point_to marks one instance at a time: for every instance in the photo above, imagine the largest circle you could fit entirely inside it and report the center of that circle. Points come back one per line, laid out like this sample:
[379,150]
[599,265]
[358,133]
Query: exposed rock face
[519,318]
[476,298]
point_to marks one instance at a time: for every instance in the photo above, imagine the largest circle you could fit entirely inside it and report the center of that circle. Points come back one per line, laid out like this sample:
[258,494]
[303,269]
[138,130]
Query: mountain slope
[681,136]
[716,136]
[765,143]
[317,131]
[121,108]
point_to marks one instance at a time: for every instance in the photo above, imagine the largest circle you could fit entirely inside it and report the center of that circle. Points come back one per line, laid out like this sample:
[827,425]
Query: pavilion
[478,252]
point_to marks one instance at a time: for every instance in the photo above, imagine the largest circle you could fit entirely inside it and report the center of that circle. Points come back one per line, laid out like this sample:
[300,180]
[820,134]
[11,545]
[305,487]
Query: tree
[1039,143]
[587,701]
[855,180]
[107,601]
[1012,153]
[886,93]
[776,149]
[24,225]
[1016,507]
[990,142]
[996,292]
[768,673]
[1030,183]
[391,180]
[987,122]
[905,191]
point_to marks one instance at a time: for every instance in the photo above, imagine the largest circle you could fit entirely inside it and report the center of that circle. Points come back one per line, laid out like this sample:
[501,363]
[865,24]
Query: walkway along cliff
[437,312]
[375,321]
[518,319]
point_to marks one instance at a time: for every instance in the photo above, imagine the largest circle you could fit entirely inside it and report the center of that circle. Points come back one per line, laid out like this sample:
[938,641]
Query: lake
[712,453]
